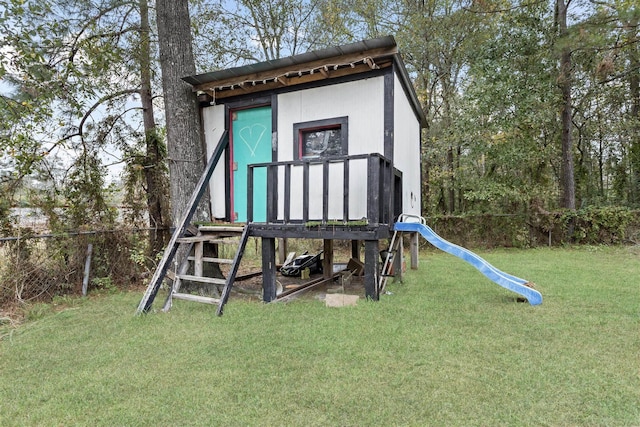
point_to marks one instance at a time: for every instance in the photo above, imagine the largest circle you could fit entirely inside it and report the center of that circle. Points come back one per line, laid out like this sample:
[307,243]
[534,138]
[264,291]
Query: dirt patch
[343,283]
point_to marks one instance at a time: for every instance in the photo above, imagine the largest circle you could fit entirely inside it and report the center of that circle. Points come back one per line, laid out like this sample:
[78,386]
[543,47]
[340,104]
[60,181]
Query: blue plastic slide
[512,283]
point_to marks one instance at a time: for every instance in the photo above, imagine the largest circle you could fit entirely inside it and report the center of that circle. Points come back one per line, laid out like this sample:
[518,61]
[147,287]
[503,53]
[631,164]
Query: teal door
[251,143]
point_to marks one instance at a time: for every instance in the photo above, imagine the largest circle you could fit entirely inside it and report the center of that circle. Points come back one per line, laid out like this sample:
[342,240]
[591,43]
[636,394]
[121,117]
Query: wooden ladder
[392,253]
[221,235]
[182,227]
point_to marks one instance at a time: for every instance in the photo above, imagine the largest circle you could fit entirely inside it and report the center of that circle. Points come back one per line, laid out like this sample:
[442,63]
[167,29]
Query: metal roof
[303,58]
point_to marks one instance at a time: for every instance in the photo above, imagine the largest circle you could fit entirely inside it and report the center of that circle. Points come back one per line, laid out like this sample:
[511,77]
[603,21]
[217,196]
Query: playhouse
[337,107]
[322,145]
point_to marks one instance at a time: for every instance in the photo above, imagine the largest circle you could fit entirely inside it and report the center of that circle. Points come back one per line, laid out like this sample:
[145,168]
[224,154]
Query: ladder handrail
[384,275]
[231,276]
[404,216]
[172,247]
[392,248]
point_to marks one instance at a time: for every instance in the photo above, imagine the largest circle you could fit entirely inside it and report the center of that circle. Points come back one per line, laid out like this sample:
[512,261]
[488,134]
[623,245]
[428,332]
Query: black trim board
[389,86]
[310,85]
[329,232]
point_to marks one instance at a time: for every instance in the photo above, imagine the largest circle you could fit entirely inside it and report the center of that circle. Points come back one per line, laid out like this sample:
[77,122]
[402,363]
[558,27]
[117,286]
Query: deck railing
[365,188]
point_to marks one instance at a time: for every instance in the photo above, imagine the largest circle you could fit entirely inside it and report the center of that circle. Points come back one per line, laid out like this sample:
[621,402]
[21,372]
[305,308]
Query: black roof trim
[317,55]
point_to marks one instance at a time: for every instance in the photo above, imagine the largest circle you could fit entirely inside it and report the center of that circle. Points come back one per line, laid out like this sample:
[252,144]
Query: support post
[268,269]
[198,252]
[398,259]
[87,269]
[282,250]
[327,259]
[371,266]
[414,251]
[355,249]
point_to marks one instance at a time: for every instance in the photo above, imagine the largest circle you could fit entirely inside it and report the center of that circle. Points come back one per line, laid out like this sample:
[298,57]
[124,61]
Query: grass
[446,348]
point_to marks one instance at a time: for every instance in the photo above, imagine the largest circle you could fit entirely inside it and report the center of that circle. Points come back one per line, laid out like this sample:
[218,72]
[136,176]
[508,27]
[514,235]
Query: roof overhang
[329,63]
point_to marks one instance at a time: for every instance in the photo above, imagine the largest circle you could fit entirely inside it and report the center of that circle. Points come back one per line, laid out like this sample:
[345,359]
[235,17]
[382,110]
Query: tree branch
[97,104]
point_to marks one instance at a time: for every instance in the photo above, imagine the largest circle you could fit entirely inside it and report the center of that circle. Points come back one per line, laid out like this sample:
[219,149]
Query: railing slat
[250,175]
[325,191]
[347,183]
[287,193]
[380,188]
[305,191]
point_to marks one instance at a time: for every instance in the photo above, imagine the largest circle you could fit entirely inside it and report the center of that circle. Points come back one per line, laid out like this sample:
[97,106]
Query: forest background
[533,111]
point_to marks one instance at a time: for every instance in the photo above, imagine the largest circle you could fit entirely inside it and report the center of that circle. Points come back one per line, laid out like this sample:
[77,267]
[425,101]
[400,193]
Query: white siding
[213,118]
[407,150]
[363,103]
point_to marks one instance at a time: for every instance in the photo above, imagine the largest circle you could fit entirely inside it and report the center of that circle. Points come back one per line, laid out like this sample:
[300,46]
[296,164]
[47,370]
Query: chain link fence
[40,267]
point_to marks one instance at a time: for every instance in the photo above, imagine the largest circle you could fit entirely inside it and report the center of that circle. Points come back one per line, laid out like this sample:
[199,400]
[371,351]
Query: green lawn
[447,348]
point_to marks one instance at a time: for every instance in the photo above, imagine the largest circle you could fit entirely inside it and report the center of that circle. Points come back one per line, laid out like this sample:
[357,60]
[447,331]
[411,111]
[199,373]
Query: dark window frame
[299,129]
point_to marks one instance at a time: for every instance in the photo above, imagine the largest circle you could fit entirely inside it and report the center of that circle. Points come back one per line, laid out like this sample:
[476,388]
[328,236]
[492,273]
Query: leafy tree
[508,120]
[81,78]
[235,33]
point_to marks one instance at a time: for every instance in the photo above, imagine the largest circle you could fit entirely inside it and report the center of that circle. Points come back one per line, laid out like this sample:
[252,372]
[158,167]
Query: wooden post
[87,269]
[414,251]
[327,259]
[268,269]
[355,249]
[398,259]
[371,266]
[198,252]
[325,191]
[373,189]
[305,191]
[250,170]
[282,250]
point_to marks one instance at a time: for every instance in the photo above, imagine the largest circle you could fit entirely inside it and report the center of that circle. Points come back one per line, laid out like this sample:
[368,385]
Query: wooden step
[221,229]
[205,238]
[201,279]
[196,298]
[215,260]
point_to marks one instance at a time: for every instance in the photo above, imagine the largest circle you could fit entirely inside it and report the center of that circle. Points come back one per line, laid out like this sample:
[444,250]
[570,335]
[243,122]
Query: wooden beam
[196,298]
[282,250]
[213,87]
[378,55]
[198,252]
[414,251]
[284,81]
[325,191]
[355,249]
[371,266]
[201,279]
[398,260]
[268,269]
[300,231]
[327,260]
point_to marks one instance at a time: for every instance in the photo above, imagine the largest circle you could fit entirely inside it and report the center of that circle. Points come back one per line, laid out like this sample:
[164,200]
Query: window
[321,138]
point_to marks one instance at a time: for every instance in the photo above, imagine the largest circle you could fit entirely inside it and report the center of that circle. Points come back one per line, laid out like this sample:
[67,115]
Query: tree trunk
[186,154]
[564,80]
[451,200]
[634,92]
[159,218]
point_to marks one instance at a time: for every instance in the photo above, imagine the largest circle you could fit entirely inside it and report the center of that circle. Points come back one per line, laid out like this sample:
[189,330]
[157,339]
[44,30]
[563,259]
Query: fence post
[87,268]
